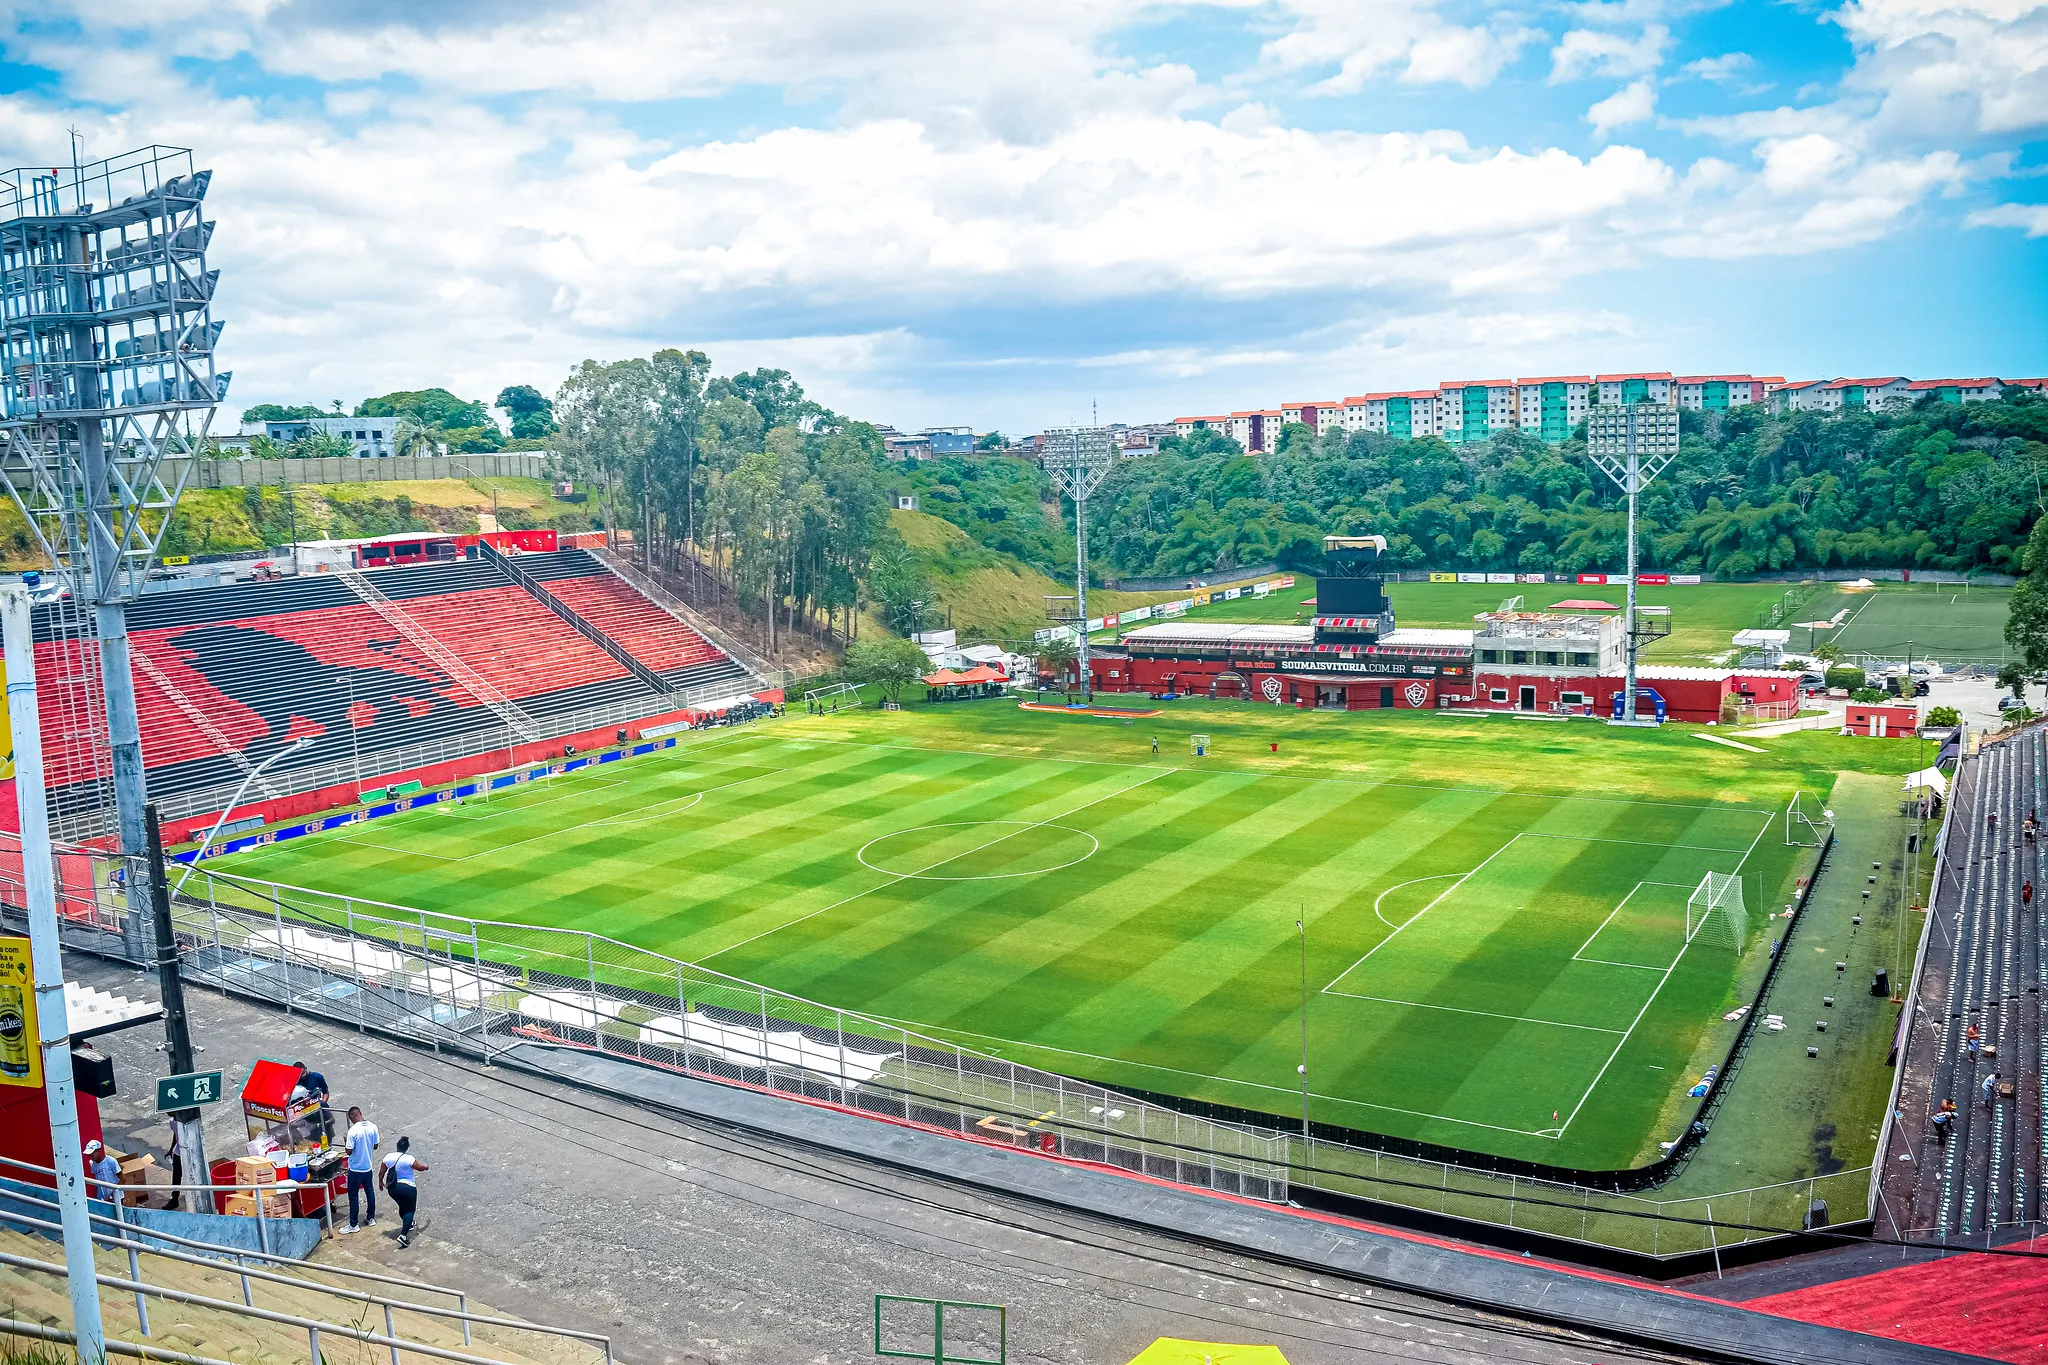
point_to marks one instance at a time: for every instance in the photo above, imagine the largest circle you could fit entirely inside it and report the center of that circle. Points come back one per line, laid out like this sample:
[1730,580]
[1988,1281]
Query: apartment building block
[1320,417]
[1552,405]
[1718,392]
[1473,409]
[1956,390]
[1634,388]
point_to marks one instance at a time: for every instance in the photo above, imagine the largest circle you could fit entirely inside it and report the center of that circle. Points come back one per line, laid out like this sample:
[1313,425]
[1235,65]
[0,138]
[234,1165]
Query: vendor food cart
[285,1129]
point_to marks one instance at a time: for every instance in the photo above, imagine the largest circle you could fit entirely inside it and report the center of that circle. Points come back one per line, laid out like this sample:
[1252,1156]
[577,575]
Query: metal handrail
[458,1295]
[465,1317]
[15,1327]
[262,1219]
[312,1326]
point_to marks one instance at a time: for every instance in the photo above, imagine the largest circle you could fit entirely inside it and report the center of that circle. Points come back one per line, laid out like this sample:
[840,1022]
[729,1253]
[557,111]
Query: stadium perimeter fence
[483,988]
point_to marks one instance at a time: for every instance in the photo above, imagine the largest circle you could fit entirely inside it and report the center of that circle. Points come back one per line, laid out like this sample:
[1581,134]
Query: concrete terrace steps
[34,1296]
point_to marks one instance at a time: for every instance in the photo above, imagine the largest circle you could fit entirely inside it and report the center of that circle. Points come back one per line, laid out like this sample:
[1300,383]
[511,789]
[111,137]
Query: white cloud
[1405,39]
[1946,67]
[1633,103]
[2031,218]
[1726,69]
[1589,52]
[434,229]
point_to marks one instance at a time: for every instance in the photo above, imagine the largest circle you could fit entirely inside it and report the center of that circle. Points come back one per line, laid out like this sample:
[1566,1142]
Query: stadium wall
[272,810]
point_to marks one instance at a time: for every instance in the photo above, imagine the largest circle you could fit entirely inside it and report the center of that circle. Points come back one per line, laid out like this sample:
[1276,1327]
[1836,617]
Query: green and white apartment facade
[1548,407]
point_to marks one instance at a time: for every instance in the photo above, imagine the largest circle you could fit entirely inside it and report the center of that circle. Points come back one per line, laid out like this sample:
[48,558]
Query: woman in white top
[399,1170]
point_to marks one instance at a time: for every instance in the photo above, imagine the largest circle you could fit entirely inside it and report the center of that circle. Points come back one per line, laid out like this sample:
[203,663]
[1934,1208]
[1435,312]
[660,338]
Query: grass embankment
[994,594]
[211,521]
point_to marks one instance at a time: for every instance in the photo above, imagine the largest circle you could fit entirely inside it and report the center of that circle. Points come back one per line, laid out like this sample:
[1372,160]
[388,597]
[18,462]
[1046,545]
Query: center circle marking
[1094,846]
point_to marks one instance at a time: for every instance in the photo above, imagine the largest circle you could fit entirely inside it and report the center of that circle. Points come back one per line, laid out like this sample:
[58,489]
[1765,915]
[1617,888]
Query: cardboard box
[135,1172]
[242,1204]
[254,1170]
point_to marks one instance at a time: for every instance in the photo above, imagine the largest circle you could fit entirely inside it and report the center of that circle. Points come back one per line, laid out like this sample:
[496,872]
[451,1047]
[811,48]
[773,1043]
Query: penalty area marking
[1412,881]
[925,874]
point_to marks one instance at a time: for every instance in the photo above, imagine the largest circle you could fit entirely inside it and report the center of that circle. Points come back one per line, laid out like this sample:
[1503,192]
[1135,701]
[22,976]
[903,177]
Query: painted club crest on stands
[1417,693]
[1271,687]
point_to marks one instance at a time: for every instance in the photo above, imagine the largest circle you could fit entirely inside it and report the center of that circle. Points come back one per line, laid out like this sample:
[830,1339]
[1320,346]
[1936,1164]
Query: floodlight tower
[106,369]
[1632,443]
[1077,459]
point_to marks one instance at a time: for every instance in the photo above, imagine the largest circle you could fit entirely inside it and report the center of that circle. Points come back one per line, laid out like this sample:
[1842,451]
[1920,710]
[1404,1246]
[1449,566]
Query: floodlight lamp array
[1651,427]
[1077,459]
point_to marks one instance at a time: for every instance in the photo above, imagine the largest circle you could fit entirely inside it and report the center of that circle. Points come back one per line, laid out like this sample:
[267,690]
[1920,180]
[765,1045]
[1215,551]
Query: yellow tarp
[1174,1351]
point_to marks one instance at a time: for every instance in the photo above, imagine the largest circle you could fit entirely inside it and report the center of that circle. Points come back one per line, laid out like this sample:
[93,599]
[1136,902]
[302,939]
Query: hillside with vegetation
[1936,486]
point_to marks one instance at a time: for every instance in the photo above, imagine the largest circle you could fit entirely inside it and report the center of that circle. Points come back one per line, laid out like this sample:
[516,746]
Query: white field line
[1212,1076]
[557,789]
[1638,843]
[895,877]
[1730,743]
[1595,1085]
[1328,989]
[1485,1014]
[1412,881]
[1255,772]
[1580,957]
[1761,830]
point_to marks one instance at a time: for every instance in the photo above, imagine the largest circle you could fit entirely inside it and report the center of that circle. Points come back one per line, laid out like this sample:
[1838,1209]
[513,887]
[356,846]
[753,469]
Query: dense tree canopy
[1937,486]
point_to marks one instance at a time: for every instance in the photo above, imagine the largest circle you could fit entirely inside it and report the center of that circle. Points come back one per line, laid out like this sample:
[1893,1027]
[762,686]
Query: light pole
[1077,459]
[1632,443]
[53,1030]
[1301,931]
[301,742]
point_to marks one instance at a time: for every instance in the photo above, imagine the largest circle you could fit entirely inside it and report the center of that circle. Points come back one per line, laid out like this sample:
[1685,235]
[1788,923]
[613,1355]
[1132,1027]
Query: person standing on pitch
[400,1168]
[362,1146]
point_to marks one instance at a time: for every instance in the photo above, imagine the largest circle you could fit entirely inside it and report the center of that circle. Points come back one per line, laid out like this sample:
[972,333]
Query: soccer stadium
[1574,963]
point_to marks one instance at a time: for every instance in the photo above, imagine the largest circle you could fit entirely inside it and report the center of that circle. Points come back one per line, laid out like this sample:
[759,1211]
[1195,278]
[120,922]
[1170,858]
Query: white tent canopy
[1927,777]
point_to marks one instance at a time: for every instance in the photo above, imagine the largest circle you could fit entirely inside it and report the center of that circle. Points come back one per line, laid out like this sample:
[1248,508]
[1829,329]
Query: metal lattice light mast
[1632,443]
[1077,459]
[106,369]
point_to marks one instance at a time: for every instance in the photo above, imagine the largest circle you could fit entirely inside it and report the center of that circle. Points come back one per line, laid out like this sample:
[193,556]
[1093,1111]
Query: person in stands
[400,1171]
[362,1140]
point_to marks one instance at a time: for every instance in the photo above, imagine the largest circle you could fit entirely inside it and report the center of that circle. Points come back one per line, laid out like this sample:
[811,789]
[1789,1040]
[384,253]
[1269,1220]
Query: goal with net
[1806,820]
[846,694]
[1198,745]
[1714,915]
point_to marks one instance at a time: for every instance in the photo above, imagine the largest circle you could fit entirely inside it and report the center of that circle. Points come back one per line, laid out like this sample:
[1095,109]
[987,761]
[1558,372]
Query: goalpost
[831,698]
[1714,914]
[1802,829]
[1198,745]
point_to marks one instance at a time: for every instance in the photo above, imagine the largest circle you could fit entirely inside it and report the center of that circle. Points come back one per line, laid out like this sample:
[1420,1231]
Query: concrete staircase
[224,1334]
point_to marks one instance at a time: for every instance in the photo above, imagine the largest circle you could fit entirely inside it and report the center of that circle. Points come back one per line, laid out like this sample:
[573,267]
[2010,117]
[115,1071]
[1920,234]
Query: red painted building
[1881,721]
[1285,665]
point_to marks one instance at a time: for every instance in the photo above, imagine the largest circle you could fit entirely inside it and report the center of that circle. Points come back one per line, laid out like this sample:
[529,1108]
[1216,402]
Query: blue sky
[1001,213]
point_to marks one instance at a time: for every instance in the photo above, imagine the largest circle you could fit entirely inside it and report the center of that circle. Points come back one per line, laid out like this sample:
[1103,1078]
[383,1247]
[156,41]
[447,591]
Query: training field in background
[1498,971]
[1941,620]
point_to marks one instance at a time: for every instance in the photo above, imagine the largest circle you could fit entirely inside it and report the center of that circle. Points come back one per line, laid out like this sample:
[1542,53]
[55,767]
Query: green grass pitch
[1496,953]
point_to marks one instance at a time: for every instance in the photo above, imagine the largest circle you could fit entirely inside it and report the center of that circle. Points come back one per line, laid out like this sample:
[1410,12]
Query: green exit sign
[187,1092]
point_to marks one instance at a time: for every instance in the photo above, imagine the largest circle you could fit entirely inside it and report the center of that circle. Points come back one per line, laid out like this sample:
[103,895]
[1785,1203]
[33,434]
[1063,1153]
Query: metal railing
[312,1327]
[262,1219]
[128,1242]
[643,580]
[483,987]
[15,1327]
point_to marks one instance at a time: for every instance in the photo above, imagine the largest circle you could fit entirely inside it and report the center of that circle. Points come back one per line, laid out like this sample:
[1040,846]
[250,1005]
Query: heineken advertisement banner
[21,1056]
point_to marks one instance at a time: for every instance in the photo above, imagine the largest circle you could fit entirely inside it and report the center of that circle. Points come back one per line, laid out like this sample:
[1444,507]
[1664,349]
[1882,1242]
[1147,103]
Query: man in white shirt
[105,1170]
[362,1144]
